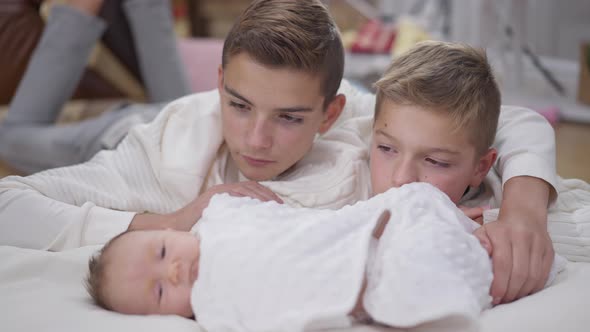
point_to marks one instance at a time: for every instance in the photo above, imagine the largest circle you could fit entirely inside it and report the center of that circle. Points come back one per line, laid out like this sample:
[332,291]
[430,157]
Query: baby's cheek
[179,302]
[185,309]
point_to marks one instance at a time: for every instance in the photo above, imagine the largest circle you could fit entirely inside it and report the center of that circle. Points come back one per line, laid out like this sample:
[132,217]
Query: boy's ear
[483,167]
[220,79]
[332,112]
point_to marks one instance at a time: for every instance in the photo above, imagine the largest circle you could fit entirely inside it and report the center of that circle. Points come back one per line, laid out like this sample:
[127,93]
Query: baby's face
[152,272]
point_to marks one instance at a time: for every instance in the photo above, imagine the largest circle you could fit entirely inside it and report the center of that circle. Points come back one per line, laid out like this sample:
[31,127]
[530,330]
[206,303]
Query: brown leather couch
[21,27]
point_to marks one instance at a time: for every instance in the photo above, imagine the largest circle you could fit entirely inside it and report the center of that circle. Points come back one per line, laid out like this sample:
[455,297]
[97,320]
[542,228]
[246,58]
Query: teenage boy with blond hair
[278,88]
[436,116]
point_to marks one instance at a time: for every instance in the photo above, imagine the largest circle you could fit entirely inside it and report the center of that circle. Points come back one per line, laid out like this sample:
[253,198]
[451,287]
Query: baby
[268,267]
[151,271]
[146,272]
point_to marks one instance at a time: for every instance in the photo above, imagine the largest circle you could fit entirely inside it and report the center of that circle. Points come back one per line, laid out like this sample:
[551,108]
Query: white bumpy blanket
[270,267]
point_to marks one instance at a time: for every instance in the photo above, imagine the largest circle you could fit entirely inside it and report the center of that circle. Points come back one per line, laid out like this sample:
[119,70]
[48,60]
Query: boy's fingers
[472,212]
[502,267]
[236,193]
[548,258]
[254,190]
[244,191]
[535,270]
[265,192]
[484,239]
[520,269]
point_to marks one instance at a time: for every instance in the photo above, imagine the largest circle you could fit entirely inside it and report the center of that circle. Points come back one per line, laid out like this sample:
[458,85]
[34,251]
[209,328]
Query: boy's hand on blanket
[185,218]
[521,249]
[473,213]
[251,189]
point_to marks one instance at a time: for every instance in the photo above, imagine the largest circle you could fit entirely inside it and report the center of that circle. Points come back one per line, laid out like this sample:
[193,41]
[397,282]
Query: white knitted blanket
[568,221]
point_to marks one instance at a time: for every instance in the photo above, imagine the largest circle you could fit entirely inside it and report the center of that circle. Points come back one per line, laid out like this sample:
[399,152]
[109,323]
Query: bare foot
[90,7]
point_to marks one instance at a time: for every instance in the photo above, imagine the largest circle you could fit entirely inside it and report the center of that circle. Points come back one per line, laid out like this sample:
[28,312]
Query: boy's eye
[437,163]
[160,292]
[238,106]
[290,119]
[163,252]
[385,148]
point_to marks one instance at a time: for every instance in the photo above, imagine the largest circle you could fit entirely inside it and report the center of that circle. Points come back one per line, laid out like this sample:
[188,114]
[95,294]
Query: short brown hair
[446,77]
[96,278]
[297,34]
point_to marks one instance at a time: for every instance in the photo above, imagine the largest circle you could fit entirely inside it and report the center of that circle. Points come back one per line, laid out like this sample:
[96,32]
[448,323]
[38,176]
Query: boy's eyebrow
[441,150]
[381,132]
[447,151]
[236,94]
[295,109]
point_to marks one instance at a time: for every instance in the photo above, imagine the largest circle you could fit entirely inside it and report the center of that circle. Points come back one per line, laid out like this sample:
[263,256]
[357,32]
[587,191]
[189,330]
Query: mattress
[43,291]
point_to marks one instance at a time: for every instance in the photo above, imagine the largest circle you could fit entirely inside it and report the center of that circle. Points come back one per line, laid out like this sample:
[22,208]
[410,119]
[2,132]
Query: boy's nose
[403,173]
[259,136]
[173,273]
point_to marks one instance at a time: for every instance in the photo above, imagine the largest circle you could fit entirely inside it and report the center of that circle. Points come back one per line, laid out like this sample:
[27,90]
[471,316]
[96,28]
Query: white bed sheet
[43,291]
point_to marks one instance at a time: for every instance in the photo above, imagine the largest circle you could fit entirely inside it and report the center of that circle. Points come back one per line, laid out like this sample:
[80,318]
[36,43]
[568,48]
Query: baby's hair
[97,273]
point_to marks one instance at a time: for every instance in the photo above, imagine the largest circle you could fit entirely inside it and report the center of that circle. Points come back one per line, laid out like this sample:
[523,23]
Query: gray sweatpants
[29,138]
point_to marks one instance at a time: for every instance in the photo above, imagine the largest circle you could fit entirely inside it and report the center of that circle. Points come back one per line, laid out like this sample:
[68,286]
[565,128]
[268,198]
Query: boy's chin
[256,176]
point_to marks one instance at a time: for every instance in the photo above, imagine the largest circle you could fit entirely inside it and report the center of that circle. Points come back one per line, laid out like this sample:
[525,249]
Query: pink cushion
[201,57]
[550,113]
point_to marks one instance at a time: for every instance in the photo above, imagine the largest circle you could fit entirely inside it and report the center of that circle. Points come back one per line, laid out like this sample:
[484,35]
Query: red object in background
[374,37]
[179,9]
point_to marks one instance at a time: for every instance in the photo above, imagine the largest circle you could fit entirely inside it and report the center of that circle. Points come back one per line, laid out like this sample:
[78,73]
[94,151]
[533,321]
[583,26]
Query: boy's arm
[526,147]
[522,251]
[87,203]
[52,210]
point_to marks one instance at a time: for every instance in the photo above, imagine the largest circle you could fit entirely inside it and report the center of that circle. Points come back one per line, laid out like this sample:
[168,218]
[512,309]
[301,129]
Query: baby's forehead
[126,267]
[136,238]
[129,248]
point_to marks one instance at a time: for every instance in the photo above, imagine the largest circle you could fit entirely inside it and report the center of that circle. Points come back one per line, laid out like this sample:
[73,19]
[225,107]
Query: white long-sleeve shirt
[162,166]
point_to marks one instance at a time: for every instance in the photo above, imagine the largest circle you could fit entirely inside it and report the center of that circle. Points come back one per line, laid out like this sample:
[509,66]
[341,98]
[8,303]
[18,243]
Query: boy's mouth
[255,162]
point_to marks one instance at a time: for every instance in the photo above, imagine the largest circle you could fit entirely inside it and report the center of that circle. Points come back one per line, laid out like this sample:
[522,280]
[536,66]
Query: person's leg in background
[21,27]
[56,66]
[29,139]
[152,26]
[161,67]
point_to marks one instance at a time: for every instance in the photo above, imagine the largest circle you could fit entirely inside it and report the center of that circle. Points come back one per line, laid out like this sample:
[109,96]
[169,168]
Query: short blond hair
[98,268]
[446,77]
[299,35]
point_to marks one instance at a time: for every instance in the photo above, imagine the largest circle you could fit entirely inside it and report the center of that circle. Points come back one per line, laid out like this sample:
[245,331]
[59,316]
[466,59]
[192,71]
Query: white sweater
[162,166]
